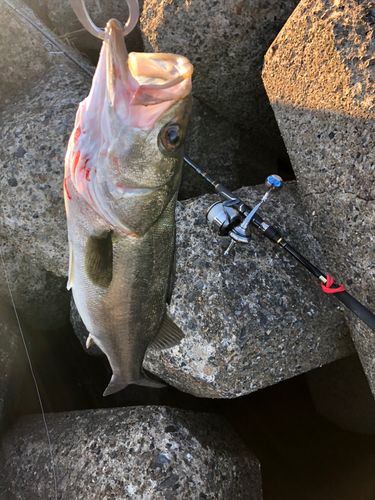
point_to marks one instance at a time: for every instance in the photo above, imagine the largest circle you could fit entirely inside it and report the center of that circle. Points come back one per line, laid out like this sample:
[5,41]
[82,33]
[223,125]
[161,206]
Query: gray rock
[10,343]
[213,143]
[31,187]
[40,296]
[253,318]
[319,76]
[226,41]
[341,394]
[25,57]
[62,17]
[142,453]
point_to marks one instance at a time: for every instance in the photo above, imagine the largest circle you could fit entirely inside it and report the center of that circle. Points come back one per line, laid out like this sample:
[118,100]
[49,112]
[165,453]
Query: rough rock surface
[253,318]
[341,394]
[61,16]
[147,453]
[35,133]
[226,41]
[9,342]
[213,143]
[26,55]
[319,75]
[40,297]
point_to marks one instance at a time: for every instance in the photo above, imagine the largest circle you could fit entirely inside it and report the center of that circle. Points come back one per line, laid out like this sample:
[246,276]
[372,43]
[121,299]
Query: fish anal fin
[71,267]
[90,341]
[98,260]
[169,334]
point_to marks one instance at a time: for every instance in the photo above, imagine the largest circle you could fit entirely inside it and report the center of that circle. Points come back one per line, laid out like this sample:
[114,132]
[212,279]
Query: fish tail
[116,384]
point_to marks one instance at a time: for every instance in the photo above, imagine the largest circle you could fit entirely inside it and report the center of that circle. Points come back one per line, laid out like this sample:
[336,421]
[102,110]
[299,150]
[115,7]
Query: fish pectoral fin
[169,334]
[90,341]
[71,267]
[98,260]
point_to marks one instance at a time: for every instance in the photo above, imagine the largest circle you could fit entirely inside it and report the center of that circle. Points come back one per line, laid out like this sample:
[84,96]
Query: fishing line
[32,372]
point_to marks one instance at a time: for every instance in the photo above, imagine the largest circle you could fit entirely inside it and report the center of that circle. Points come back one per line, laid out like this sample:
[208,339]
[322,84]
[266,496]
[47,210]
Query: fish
[122,174]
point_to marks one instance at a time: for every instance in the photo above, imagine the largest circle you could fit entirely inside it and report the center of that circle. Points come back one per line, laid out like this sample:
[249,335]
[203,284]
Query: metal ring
[81,12]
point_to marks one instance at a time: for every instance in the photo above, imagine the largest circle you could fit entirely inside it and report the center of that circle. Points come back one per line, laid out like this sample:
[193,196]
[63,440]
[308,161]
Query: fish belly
[126,316]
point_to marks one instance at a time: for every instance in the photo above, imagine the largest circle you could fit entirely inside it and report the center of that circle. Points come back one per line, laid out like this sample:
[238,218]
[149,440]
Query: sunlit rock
[319,75]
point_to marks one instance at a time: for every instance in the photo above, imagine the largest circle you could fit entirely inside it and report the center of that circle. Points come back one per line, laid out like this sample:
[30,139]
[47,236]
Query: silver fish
[122,174]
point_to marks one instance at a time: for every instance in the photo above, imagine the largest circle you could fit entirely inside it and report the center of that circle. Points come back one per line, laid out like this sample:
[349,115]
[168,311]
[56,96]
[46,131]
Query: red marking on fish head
[66,187]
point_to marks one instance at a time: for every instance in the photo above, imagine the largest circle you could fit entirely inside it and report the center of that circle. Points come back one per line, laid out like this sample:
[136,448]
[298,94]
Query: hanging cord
[32,372]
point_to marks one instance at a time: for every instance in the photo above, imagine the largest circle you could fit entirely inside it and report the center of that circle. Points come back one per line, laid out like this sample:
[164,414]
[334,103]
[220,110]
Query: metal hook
[80,10]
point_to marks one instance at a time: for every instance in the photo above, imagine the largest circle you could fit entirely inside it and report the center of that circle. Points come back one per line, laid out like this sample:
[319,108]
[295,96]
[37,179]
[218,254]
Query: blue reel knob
[274,182]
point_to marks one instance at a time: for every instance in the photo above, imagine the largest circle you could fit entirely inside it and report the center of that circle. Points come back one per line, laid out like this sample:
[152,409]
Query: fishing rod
[233,218]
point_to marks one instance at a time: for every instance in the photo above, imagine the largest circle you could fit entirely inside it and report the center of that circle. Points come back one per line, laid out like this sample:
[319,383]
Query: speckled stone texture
[253,318]
[40,297]
[61,16]
[226,41]
[24,56]
[319,75]
[35,133]
[142,453]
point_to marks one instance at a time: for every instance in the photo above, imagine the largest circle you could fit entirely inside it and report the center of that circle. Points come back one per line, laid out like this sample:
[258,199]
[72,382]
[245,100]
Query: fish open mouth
[161,77]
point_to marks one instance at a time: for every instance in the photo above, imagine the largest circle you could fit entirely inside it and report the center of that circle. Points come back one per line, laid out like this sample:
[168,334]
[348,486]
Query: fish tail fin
[116,384]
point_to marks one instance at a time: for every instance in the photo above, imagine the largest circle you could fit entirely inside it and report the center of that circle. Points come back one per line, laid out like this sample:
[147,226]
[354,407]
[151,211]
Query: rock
[253,318]
[319,76]
[341,394]
[147,452]
[226,41]
[26,54]
[10,343]
[40,297]
[31,186]
[213,143]
[62,17]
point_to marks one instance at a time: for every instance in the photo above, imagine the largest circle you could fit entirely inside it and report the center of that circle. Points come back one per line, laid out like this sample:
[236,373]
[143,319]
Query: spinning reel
[231,217]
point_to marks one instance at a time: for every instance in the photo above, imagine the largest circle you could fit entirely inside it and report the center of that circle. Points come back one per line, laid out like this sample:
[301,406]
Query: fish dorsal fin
[71,267]
[169,334]
[99,259]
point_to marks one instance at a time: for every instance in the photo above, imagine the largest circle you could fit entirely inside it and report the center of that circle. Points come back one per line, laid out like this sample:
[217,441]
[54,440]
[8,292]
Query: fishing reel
[232,217]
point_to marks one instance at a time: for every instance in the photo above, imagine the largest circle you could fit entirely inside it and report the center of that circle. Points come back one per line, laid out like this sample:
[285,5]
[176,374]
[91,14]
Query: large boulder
[226,42]
[253,318]
[26,53]
[147,452]
[319,75]
[35,132]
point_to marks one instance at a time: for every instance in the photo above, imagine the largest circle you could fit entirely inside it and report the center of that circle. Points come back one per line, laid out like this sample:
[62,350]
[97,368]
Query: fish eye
[170,138]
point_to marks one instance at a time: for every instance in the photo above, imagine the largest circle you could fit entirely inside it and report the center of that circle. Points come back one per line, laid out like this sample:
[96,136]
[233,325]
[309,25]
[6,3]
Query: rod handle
[357,308]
